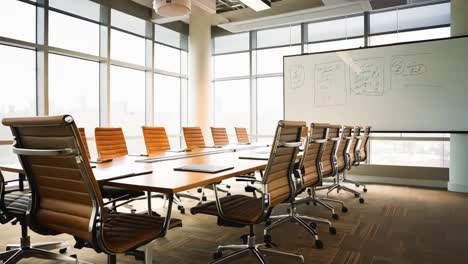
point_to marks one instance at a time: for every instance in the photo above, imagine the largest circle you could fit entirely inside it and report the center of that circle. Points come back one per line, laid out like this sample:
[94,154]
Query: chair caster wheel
[356,195]
[318,244]
[313,225]
[335,216]
[204,199]
[199,190]
[63,250]
[228,186]
[344,209]
[217,255]
[332,230]
[365,189]
[307,203]
[267,222]
[228,194]
[182,210]
[357,185]
[361,200]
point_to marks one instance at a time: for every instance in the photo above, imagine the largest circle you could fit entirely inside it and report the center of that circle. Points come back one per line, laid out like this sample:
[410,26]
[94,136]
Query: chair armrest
[44,152]
[291,144]
[320,141]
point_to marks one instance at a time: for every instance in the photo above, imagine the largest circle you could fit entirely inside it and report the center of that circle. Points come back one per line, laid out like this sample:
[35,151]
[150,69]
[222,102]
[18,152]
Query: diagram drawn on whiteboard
[297,76]
[413,70]
[367,77]
[330,88]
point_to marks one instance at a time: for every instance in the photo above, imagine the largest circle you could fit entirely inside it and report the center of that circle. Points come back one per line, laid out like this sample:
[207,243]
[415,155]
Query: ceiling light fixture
[172,8]
[257,5]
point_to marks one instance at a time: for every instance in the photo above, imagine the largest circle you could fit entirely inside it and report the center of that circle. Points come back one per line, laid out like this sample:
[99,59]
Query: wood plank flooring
[395,225]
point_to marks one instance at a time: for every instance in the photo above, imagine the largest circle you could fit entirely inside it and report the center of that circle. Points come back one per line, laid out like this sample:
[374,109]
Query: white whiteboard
[419,86]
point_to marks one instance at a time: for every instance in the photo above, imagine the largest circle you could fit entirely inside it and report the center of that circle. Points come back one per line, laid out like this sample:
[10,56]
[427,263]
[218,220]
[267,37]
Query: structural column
[200,98]
[458,179]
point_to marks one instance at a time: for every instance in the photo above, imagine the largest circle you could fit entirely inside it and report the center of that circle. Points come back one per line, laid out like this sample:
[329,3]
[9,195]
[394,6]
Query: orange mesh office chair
[193,137]
[242,135]
[156,139]
[110,142]
[220,136]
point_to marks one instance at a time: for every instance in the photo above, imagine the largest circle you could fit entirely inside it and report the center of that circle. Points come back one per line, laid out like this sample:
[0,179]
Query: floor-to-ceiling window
[71,60]
[170,82]
[271,45]
[74,62]
[17,66]
[231,86]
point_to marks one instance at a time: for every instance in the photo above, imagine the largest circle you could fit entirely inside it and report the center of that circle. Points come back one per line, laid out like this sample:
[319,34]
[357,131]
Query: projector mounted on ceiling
[257,5]
[172,8]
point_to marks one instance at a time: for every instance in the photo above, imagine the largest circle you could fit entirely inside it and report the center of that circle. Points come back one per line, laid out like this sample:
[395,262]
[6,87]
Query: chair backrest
[278,175]
[85,142]
[220,136]
[193,137]
[156,139]
[65,194]
[310,161]
[329,154]
[354,144]
[110,142]
[364,144]
[342,153]
[242,135]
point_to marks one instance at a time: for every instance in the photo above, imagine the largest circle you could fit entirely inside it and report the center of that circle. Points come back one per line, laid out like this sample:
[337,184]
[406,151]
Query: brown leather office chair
[110,142]
[220,136]
[156,139]
[307,178]
[242,135]
[358,152]
[353,146]
[328,162]
[278,186]
[66,197]
[193,137]
[361,154]
[14,206]
[342,157]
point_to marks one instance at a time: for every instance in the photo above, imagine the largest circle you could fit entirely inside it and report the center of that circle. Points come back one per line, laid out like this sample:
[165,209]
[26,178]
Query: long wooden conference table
[156,173]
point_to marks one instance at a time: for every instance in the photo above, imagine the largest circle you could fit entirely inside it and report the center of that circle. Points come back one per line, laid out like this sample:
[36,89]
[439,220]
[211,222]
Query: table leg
[149,246]
[150,210]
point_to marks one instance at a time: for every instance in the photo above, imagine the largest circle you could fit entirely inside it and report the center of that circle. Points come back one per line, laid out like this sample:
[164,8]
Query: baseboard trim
[400,181]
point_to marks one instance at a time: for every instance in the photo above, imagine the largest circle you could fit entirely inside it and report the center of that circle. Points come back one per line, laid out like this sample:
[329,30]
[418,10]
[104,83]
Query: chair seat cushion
[236,208]
[123,232]
[17,203]
[109,192]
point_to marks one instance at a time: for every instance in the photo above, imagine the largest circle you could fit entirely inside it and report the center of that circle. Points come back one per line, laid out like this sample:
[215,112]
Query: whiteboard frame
[373,47]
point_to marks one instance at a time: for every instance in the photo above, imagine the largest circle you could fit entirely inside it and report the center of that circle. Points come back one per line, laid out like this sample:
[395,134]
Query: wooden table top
[165,180]
[121,172]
